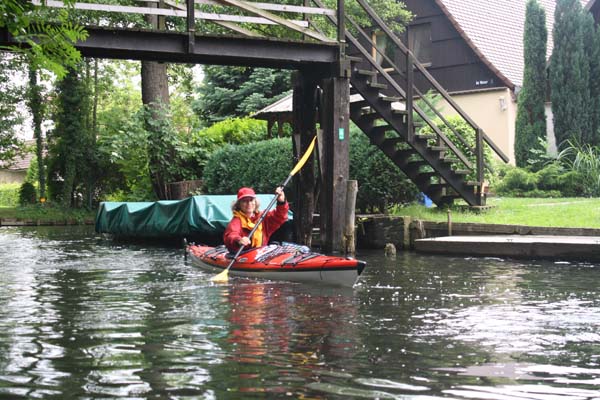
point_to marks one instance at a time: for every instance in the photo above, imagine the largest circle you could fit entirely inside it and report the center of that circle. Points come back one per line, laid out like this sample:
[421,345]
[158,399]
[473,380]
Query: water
[82,317]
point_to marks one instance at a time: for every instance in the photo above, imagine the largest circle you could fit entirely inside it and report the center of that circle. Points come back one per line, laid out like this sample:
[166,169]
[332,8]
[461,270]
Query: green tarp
[197,216]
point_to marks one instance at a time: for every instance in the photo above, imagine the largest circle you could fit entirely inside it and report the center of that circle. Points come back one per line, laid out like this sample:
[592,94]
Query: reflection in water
[83,317]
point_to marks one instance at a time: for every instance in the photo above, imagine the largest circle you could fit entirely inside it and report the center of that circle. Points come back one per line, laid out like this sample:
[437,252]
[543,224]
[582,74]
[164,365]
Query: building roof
[22,161]
[494,30]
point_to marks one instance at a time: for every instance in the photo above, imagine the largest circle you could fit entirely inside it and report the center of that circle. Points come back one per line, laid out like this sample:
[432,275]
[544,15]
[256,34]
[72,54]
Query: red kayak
[288,261]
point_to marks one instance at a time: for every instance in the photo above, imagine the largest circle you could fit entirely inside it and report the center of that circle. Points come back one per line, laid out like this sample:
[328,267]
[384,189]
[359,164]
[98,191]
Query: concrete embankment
[518,241]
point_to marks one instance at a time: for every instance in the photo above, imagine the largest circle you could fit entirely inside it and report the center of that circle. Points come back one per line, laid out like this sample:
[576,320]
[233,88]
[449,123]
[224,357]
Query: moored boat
[286,261]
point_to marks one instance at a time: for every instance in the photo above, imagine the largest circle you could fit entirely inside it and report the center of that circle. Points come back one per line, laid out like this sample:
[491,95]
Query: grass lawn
[556,212]
[46,213]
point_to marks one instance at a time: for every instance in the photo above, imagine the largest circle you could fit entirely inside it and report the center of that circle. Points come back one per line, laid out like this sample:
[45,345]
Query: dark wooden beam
[223,50]
[304,124]
[335,148]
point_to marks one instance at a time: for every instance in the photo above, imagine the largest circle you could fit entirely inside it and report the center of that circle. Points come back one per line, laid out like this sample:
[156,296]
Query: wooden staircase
[386,112]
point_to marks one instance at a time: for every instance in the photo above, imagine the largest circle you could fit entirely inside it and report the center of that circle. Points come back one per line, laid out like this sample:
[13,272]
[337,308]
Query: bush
[468,134]
[549,177]
[9,195]
[573,184]
[27,194]
[516,182]
[264,165]
[261,165]
[381,184]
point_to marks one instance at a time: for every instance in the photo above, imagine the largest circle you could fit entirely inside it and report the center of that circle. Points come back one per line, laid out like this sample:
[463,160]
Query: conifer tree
[569,74]
[594,138]
[531,120]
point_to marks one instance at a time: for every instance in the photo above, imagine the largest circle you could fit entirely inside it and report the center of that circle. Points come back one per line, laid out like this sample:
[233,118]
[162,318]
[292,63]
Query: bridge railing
[241,17]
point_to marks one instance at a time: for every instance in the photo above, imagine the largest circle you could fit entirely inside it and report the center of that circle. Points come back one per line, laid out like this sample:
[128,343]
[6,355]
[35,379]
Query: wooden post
[335,155]
[304,129]
[191,26]
[350,221]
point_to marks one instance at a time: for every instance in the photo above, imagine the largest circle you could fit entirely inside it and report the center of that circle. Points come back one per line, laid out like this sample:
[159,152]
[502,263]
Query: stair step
[389,142]
[450,160]
[354,59]
[425,136]
[462,171]
[472,183]
[365,72]
[377,85]
[390,99]
[399,112]
[438,148]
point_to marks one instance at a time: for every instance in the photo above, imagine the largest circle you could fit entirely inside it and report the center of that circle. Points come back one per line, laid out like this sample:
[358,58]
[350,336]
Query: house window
[419,42]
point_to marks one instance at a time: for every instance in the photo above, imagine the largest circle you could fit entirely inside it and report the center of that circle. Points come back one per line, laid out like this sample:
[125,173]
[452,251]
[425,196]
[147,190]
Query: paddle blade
[304,157]
[222,277]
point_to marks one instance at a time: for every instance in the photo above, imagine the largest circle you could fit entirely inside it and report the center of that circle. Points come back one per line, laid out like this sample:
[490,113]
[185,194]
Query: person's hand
[280,195]
[245,241]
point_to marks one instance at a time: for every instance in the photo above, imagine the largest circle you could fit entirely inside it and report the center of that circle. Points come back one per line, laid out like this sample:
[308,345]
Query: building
[474,49]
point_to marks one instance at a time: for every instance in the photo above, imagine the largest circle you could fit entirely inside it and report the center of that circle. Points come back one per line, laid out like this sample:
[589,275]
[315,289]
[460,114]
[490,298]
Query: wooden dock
[576,248]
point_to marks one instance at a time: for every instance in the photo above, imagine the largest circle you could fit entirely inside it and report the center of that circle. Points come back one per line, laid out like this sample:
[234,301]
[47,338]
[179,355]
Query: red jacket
[273,220]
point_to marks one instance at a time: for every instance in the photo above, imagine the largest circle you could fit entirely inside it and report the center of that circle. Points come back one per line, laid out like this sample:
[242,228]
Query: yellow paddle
[223,276]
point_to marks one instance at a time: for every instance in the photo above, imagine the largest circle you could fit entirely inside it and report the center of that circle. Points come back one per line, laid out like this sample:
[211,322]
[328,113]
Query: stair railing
[412,62]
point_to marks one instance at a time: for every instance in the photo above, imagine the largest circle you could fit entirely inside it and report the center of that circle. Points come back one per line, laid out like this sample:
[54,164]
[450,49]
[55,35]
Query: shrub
[264,165]
[468,134]
[381,184]
[516,182]
[9,195]
[572,184]
[261,165]
[27,194]
[549,177]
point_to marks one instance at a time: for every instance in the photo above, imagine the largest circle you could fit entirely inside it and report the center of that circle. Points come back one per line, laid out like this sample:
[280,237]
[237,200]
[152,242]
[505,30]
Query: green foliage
[124,155]
[551,181]
[9,115]
[538,155]
[594,86]
[261,165]
[381,184]
[265,164]
[468,134]
[229,131]
[516,182]
[585,160]
[71,145]
[531,119]
[27,194]
[9,194]
[49,45]
[569,74]
[229,92]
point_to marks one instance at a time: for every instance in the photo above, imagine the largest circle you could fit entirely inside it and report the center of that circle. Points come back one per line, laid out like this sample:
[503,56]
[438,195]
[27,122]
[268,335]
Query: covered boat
[286,261]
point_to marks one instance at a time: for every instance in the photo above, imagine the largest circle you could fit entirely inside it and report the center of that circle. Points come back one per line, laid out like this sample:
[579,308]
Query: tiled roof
[494,29]
[20,163]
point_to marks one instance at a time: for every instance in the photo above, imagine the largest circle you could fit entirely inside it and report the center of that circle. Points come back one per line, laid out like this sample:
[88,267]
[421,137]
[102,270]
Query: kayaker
[245,214]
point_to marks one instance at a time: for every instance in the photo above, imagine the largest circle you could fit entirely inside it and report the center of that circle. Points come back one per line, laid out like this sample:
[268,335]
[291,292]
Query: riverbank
[42,215]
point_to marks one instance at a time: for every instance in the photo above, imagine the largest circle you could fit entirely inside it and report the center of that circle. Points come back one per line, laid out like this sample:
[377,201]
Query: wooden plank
[167,12]
[248,7]
[238,29]
[229,25]
[271,7]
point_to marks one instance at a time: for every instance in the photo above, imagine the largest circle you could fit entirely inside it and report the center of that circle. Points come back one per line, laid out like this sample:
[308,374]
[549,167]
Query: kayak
[286,261]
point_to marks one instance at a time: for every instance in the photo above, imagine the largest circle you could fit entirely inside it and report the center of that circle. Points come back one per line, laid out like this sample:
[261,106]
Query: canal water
[82,317]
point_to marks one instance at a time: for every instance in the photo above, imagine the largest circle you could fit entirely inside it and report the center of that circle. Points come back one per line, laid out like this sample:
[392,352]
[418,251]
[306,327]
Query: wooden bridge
[331,63]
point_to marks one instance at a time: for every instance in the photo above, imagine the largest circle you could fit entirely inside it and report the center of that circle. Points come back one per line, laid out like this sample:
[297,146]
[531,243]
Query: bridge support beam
[334,157]
[304,122]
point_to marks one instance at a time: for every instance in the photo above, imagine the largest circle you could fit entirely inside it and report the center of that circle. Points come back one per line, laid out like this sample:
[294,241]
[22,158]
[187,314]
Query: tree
[531,120]
[569,74]
[35,104]
[9,116]
[70,143]
[49,46]
[594,58]
[229,92]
